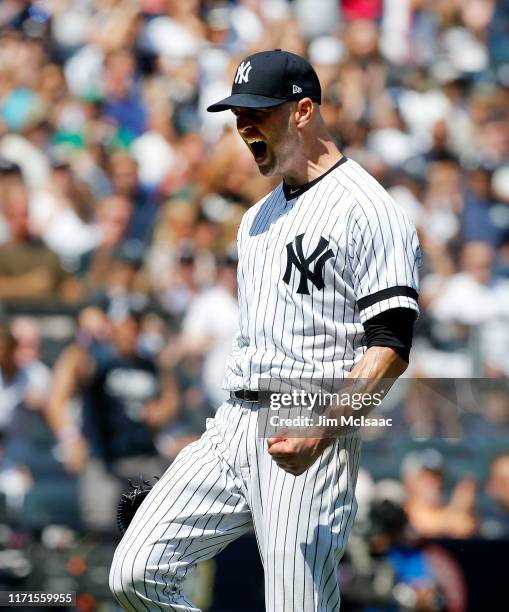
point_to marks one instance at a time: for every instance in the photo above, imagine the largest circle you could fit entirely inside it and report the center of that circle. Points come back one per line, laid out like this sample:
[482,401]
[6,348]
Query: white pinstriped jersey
[312,270]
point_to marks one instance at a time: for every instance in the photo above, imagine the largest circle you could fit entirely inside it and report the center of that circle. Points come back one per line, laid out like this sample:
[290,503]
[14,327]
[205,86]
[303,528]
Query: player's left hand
[296,455]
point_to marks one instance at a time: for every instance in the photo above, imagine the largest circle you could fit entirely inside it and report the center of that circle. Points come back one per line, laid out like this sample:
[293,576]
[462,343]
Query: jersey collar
[294,191]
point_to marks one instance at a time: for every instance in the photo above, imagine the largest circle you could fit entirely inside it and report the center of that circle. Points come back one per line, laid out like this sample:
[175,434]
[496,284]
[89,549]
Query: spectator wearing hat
[392,539]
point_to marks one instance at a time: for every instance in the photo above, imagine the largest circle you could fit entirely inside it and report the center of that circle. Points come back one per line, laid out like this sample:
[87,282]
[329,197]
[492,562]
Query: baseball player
[327,280]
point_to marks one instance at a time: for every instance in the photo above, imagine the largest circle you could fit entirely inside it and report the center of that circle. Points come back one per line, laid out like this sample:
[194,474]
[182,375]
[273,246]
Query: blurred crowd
[119,203]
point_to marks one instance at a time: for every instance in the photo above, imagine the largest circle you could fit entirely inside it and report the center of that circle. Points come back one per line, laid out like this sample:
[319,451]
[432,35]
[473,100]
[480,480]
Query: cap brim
[244,101]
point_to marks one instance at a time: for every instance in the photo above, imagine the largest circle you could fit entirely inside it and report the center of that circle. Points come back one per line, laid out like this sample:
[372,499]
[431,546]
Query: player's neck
[316,158]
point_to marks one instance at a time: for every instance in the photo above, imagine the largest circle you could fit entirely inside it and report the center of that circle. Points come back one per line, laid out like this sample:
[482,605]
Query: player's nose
[244,123]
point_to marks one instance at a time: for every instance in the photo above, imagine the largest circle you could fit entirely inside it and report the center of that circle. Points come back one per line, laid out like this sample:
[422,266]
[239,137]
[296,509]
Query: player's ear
[303,112]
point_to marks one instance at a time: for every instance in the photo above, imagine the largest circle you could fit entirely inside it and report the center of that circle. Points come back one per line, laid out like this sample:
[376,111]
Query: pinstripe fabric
[286,334]
[192,513]
[222,486]
[291,326]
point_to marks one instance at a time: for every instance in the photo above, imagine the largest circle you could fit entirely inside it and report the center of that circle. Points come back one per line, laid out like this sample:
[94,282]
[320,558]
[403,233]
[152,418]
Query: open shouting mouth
[258,149]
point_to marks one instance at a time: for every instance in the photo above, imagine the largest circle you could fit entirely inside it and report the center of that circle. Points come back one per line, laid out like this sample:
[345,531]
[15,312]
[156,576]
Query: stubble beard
[281,153]
[279,158]
[269,168]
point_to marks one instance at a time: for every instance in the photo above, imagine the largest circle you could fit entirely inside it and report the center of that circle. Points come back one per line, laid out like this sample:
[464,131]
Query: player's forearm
[379,362]
[376,372]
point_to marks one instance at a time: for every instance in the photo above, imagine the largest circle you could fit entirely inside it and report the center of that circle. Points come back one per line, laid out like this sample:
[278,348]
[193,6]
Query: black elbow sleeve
[393,328]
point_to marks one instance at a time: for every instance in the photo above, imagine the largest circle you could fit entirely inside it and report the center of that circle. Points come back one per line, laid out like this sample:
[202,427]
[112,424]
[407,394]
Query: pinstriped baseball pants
[224,485]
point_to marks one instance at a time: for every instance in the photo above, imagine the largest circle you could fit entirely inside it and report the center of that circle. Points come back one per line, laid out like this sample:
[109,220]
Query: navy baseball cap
[271,78]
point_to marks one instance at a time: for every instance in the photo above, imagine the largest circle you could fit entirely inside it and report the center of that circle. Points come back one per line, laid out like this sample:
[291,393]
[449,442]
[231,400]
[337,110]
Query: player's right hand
[296,455]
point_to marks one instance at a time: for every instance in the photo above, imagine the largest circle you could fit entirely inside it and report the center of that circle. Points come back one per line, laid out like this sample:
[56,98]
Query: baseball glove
[131,501]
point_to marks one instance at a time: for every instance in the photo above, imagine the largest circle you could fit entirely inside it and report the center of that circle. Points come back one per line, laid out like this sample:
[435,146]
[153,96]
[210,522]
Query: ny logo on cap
[303,264]
[243,71]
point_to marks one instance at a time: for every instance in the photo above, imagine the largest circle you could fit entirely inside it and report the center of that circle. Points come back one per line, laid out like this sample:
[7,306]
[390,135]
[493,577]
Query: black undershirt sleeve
[393,328]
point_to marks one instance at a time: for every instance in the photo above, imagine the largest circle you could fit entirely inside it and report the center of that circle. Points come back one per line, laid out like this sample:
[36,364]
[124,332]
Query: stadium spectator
[29,270]
[126,402]
[113,216]
[61,214]
[392,539]
[27,335]
[179,266]
[16,386]
[124,285]
[428,513]
[122,96]
[154,150]
[474,280]
[209,328]
[479,215]
[24,385]
[183,283]
[123,170]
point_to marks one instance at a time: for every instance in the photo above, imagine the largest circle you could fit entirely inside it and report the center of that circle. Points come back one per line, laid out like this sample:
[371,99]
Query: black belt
[246,395]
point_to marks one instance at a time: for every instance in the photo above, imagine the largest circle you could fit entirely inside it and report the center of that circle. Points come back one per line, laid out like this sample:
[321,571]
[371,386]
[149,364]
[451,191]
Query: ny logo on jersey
[303,264]
[243,71]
